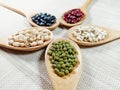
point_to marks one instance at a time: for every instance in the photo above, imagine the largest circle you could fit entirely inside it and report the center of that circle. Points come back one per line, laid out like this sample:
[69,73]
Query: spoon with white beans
[90,35]
[40,19]
[30,39]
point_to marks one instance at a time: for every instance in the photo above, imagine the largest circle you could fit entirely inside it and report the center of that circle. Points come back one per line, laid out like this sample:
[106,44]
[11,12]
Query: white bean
[33,44]
[22,44]
[47,37]
[16,44]
[10,42]
[40,42]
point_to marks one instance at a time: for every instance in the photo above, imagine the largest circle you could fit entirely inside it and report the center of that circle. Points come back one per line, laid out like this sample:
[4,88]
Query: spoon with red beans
[75,16]
[38,19]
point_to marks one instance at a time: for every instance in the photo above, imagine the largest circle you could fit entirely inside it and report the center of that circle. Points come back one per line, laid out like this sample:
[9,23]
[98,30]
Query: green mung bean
[63,57]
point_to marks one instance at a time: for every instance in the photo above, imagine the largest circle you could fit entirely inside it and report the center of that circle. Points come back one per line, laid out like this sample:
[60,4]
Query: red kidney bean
[73,16]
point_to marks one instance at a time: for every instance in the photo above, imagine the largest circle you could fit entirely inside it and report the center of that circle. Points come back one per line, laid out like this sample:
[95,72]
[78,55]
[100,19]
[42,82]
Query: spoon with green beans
[63,62]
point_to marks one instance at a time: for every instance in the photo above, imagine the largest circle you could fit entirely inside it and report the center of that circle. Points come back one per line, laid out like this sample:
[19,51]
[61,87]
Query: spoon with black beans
[38,19]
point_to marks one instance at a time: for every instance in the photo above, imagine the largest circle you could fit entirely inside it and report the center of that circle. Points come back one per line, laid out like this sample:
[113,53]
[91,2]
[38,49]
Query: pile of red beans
[73,16]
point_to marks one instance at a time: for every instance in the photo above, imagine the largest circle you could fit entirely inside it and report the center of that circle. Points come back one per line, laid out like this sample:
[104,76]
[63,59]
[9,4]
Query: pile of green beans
[63,57]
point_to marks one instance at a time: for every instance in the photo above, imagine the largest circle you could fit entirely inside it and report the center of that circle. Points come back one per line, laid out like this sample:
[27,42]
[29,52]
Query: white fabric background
[27,71]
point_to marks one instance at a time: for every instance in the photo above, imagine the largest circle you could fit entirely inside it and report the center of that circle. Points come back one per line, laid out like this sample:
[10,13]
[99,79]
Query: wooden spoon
[52,27]
[68,82]
[4,43]
[83,9]
[111,35]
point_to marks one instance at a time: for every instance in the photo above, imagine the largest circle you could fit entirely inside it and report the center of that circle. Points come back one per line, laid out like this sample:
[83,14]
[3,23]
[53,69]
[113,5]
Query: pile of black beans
[44,19]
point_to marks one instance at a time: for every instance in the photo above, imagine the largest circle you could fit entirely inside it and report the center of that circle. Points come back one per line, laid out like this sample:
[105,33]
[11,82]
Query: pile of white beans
[30,37]
[89,33]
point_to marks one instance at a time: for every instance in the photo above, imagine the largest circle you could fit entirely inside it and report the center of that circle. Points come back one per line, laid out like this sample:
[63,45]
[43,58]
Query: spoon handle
[86,4]
[115,35]
[12,9]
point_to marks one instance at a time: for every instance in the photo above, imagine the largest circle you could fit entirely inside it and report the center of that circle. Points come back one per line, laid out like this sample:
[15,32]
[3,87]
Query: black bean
[44,19]
[48,24]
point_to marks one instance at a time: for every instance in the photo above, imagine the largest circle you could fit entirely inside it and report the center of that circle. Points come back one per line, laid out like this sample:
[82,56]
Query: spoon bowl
[52,27]
[83,9]
[111,35]
[4,43]
[70,81]
[63,22]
